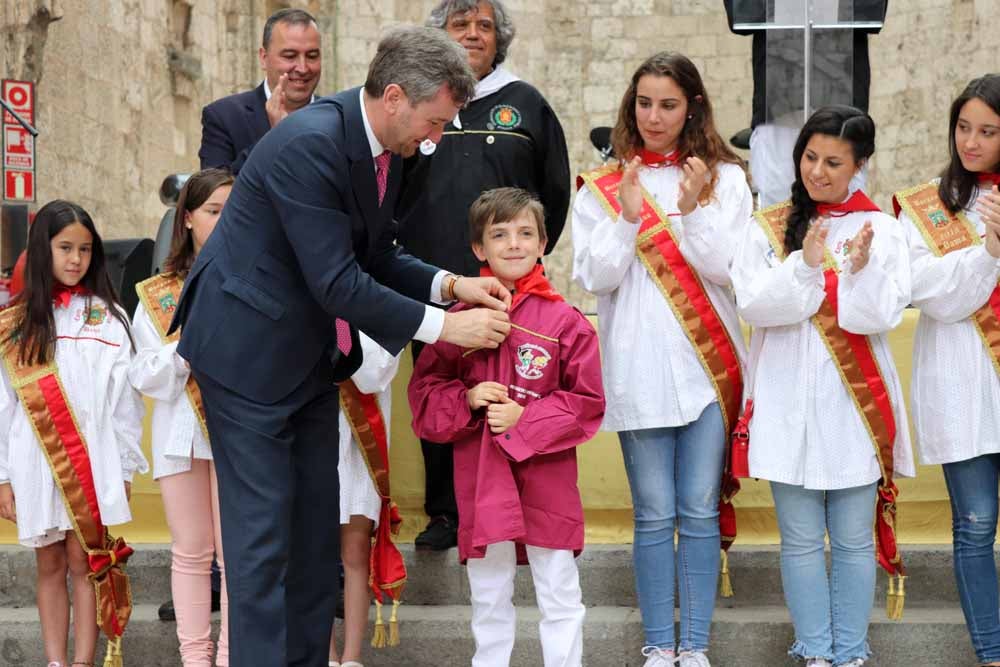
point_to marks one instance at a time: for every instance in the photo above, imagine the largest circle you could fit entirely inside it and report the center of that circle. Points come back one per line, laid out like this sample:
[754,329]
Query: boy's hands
[7,509]
[485,393]
[501,416]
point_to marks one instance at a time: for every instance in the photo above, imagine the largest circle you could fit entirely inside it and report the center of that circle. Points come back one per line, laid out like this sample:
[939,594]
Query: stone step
[435,578]
[439,636]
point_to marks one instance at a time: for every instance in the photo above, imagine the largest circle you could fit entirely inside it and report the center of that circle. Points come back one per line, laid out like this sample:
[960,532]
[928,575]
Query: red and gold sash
[387,570]
[160,295]
[859,369]
[683,290]
[41,394]
[945,232]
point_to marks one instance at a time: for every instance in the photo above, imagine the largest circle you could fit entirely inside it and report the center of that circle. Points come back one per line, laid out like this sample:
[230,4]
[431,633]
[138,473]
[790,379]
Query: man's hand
[275,107]
[696,176]
[476,328]
[630,192]
[485,393]
[7,509]
[860,248]
[488,292]
[501,416]
[814,244]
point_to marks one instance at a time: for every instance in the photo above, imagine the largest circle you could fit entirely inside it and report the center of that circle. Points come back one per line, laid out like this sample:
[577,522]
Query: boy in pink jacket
[516,415]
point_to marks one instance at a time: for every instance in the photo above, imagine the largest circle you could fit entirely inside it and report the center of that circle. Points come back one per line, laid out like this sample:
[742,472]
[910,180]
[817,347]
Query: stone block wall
[121,82]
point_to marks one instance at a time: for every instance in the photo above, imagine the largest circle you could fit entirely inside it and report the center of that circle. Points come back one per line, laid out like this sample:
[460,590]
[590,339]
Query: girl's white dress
[806,429]
[955,390]
[93,354]
[160,373]
[357,492]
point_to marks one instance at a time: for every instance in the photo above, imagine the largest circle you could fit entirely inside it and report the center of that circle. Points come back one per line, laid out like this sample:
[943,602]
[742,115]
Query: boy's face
[511,248]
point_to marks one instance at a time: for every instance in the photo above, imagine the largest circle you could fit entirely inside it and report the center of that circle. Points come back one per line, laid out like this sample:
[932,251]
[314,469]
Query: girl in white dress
[182,459]
[360,504]
[72,315]
[956,385]
[807,435]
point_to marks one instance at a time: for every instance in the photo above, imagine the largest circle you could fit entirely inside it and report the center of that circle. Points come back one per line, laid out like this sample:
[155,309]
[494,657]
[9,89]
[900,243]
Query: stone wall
[121,82]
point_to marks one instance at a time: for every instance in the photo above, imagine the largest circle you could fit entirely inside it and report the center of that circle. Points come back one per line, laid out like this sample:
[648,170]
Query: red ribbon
[988,177]
[652,159]
[102,561]
[858,202]
[61,294]
[533,283]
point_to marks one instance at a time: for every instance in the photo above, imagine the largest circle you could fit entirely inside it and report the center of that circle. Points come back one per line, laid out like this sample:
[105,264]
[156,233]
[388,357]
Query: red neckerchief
[534,283]
[61,294]
[857,202]
[988,177]
[651,159]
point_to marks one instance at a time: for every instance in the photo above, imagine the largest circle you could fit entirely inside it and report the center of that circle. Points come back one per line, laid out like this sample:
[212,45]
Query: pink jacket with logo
[520,485]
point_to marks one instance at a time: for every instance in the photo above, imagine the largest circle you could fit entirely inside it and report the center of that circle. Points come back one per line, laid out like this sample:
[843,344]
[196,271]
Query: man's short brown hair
[503,205]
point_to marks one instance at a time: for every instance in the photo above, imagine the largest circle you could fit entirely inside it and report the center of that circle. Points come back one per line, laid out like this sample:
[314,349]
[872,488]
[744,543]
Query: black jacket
[511,138]
[230,127]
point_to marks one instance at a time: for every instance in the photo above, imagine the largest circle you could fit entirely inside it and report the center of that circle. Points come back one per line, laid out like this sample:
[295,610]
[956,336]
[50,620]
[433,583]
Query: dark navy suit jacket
[230,127]
[301,241]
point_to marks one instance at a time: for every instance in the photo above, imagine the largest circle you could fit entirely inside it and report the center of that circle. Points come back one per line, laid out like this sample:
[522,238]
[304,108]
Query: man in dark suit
[305,242]
[291,59]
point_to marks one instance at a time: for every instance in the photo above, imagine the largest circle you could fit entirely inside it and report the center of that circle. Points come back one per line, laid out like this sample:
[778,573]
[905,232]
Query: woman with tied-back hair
[822,279]
[953,224]
[681,194]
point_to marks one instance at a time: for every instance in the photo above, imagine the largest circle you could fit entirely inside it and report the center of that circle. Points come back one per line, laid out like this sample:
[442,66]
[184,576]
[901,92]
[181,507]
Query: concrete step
[606,573]
[439,636]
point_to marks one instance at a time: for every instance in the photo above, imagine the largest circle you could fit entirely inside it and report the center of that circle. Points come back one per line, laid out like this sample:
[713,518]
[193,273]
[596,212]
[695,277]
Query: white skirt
[357,491]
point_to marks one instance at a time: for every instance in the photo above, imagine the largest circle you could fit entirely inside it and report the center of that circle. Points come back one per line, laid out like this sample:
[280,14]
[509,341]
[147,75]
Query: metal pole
[807,65]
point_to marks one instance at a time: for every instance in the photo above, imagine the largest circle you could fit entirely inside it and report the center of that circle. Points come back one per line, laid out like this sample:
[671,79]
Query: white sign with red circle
[21,96]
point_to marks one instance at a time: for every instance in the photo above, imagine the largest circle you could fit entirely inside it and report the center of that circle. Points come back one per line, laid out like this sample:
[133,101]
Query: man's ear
[392,97]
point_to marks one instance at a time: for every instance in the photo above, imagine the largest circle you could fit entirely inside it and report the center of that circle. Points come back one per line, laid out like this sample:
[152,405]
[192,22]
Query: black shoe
[440,534]
[166,611]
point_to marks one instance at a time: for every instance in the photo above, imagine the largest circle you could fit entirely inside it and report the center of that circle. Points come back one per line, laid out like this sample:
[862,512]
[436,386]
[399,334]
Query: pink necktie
[343,337]
[382,173]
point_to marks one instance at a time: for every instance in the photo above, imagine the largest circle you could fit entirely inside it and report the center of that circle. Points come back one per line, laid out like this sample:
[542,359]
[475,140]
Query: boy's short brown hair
[501,205]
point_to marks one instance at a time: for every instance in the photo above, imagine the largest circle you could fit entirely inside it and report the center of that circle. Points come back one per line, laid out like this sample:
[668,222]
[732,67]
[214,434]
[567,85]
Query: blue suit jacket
[230,127]
[301,241]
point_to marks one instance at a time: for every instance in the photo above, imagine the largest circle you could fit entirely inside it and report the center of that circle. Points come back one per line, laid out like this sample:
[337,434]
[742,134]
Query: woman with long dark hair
[654,235]
[822,279]
[68,315]
[953,225]
[182,458]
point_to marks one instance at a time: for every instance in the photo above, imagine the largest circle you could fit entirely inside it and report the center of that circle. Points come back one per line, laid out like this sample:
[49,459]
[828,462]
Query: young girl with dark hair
[953,224]
[67,323]
[182,459]
[654,235]
[822,279]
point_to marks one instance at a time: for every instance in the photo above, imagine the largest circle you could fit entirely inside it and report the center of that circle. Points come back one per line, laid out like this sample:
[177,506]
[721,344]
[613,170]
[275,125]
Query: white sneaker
[818,662]
[333,663]
[857,662]
[658,657]
[694,659]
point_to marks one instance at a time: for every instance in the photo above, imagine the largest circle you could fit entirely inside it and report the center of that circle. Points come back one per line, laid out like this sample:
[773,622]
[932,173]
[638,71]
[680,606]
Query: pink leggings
[197,536]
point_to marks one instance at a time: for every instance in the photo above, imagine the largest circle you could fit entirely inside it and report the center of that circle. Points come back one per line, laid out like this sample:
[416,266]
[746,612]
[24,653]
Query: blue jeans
[674,474]
[972,486]
[830,616]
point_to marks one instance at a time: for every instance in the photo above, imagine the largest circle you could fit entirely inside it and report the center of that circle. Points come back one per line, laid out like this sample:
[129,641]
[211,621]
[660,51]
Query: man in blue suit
[305,240]
[292,62]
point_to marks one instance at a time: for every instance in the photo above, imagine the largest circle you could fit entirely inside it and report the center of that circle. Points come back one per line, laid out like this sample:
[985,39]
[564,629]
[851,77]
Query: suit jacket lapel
[362,164]
[257,114]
